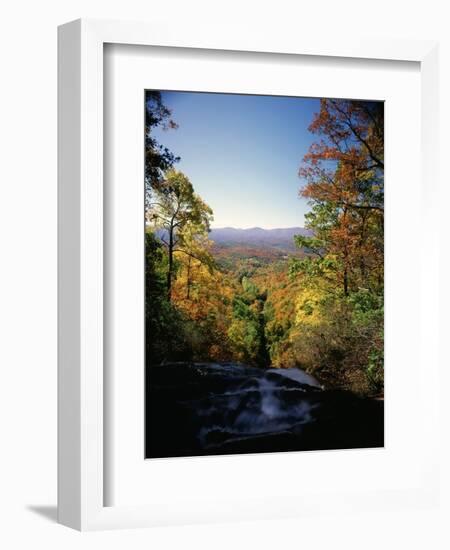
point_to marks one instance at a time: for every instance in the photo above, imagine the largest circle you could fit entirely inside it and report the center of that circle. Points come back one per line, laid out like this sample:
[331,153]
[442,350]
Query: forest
[316,304]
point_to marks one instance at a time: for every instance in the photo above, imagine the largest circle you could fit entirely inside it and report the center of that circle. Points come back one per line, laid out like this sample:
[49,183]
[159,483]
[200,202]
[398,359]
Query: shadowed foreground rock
[204,408]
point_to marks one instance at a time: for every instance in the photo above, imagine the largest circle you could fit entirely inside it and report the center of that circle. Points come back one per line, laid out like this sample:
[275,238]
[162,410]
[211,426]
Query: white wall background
[28,270]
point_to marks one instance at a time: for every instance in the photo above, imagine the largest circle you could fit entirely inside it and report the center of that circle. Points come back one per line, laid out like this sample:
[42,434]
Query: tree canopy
[319,307]
[158,158]
[183,217]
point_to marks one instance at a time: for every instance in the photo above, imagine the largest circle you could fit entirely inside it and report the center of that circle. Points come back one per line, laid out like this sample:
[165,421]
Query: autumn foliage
[340,317]
[321,308]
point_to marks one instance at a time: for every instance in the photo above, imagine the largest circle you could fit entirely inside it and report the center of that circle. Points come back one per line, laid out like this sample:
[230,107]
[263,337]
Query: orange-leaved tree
[343,178]
[339,318]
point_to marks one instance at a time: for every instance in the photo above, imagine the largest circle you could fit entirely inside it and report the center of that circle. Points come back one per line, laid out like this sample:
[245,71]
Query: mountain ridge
[282,237]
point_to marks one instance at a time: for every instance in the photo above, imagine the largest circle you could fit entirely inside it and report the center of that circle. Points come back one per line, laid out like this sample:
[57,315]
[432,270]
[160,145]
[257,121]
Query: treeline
[321,311]
[194,310]
[338,331]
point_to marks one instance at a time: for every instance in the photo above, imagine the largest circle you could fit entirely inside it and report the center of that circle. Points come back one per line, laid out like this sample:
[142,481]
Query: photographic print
[264,273]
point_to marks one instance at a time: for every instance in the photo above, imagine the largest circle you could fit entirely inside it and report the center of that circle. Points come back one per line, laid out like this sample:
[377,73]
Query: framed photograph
[262,335]
[241,332]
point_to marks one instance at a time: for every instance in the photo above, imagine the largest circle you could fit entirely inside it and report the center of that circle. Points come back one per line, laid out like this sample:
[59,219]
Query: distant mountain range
[257,236]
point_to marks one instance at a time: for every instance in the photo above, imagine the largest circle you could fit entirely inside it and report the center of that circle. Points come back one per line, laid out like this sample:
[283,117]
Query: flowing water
[212,408]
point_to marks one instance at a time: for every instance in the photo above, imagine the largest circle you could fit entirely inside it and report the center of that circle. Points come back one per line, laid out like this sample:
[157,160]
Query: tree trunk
[362,261]
[345,281]
[188,279]
[170,267]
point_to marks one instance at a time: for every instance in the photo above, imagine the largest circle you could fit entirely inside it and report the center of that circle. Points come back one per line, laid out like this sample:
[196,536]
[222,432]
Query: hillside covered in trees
[310,298]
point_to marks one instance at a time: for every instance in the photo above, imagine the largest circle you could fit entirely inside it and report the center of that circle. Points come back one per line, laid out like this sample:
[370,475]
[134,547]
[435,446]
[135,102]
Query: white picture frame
[81,480]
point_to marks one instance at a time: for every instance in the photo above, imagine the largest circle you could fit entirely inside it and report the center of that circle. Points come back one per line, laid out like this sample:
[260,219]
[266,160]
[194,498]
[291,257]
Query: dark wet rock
[203,408]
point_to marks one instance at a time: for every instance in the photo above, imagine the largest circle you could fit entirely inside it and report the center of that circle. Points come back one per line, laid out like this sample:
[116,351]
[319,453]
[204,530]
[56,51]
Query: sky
[242,154]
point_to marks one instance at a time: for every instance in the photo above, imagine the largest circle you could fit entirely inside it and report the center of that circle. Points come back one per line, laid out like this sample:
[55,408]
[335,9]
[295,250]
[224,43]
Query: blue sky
[242,154]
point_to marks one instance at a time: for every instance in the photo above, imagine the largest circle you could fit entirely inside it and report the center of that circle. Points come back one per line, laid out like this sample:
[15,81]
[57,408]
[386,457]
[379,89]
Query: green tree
[163,324]
[158,158]
[247,331]
[174,209]
[195,246]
